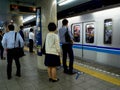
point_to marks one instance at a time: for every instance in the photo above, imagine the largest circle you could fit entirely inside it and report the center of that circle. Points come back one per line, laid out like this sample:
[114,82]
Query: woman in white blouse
[52,57]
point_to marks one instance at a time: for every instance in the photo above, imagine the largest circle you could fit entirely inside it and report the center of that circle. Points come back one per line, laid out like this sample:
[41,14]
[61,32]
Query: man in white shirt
[11,41]
[31,40]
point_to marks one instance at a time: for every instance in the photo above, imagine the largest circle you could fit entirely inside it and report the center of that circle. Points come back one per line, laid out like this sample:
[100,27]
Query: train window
[107,31]
[76,32]
[90,33]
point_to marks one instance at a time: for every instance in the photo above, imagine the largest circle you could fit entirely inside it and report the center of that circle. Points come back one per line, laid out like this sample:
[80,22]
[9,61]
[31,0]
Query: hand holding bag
[43,49]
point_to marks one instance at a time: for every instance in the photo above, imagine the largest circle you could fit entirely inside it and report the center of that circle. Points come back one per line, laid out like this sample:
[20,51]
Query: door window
[89,33]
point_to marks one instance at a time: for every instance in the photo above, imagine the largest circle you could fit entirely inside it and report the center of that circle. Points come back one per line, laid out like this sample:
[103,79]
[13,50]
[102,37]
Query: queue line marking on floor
[99,75]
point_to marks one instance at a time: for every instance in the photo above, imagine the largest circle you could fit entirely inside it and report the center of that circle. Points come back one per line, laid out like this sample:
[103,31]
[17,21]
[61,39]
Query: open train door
[89,41]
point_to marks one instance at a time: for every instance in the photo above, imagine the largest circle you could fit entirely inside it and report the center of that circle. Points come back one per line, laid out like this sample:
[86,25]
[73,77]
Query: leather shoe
[50,79]
[9,77]
[66,71]
[56,80]
[18,75]
[71,73]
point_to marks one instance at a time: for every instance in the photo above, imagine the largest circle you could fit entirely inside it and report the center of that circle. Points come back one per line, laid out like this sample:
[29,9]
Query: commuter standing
[52,48]
[66,48]
[1,47]
[10,41]
[21,32]
[22,35]
[31,40]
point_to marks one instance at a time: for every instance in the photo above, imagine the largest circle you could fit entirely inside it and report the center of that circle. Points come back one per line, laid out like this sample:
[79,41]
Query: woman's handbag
[43,49]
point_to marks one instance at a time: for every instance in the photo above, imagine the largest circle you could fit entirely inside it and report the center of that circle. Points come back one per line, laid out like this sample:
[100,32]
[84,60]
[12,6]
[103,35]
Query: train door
[89,41]
[77,35]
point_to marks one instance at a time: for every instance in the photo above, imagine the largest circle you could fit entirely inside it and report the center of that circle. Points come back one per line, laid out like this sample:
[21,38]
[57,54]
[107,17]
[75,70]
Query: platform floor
[36,79]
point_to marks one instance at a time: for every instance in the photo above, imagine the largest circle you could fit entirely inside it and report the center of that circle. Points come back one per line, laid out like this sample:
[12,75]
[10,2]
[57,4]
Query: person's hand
[59,53]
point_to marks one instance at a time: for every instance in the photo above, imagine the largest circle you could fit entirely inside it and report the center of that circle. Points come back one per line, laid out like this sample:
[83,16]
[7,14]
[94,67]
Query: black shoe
[24,54]
[9,77]
[3,58]
[18,75]
[71,73]
[50,79]
[66,71]
[55,80]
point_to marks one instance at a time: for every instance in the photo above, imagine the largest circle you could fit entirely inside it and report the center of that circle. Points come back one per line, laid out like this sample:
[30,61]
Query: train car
[97,36]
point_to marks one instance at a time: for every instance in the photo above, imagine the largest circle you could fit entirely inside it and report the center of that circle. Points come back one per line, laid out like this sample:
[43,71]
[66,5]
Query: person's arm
[4,41]
[71,36]
[57,44]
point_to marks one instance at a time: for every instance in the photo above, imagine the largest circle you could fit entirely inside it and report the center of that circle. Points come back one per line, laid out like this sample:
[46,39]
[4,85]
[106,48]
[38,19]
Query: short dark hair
[11,27]
[21,27]
[0,31]
[52,26]
[65,22]
[31,29]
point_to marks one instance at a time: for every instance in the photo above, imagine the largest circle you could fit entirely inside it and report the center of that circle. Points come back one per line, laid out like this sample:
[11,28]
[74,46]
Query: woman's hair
[52,26]
[21,27]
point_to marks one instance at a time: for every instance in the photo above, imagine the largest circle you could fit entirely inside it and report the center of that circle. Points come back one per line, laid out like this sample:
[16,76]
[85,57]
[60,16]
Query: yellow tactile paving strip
[96,74]
[99,75]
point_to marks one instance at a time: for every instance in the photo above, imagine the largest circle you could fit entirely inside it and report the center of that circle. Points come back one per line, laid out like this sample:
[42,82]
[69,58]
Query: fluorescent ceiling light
[29,18]
[63,2]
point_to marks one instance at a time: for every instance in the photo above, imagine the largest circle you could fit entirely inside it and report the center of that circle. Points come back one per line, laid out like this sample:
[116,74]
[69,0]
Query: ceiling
[73,8]
[85,6]
[69,5]
[59,8]
[80,6]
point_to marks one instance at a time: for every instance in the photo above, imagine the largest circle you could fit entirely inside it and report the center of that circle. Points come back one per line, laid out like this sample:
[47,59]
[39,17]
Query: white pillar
[17,20]
[48,14]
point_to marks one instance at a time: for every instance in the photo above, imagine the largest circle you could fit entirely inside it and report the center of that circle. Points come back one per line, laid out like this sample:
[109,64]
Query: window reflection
[90,33]
[76,33]
[108,31]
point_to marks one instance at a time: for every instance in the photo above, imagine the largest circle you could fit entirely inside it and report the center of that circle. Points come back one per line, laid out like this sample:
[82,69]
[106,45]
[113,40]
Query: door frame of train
[78,44]
[88,50]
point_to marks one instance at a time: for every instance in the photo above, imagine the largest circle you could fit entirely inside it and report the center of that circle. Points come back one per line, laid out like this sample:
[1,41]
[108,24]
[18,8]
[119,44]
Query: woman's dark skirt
[52,60]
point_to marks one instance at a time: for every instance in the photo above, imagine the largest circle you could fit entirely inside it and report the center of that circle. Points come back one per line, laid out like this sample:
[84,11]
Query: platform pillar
[17,21]
[48,14]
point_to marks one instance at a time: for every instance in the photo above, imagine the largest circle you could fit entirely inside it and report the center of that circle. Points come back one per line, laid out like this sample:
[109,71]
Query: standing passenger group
[52,48]
[12,40]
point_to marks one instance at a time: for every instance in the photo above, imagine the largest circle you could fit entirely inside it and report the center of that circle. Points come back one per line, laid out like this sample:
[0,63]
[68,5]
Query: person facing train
[66,47]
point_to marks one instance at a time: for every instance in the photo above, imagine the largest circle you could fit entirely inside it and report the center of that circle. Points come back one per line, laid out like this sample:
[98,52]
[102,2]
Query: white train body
[104,48]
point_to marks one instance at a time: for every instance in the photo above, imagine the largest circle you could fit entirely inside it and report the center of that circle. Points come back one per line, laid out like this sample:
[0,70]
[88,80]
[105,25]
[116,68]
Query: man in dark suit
[22,35]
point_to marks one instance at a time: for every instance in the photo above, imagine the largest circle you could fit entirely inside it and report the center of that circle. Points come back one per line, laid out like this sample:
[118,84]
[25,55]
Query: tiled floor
[35,79]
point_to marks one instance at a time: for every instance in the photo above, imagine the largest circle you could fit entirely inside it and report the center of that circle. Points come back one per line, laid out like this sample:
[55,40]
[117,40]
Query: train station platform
[90,77]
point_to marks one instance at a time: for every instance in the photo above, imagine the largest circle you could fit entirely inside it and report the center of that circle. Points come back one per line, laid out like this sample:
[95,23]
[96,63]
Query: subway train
[96,36]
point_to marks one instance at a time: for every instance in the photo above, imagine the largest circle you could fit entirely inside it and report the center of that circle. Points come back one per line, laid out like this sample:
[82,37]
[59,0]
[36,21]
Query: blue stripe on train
[110,50]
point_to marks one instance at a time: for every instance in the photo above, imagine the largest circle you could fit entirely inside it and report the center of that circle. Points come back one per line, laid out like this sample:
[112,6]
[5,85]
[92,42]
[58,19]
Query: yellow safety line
[99,75]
